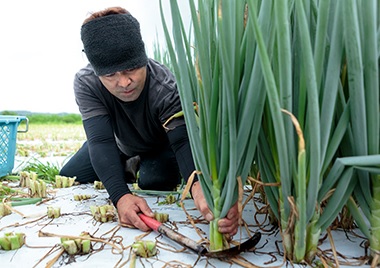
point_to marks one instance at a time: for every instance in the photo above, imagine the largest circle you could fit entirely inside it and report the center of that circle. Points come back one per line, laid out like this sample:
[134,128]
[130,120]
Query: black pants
[157,171]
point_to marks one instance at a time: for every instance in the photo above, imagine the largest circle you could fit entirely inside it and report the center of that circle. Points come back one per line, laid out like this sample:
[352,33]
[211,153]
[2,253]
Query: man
[124,99]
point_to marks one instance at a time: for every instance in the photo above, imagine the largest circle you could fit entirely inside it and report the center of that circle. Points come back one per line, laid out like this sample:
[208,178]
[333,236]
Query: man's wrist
[116,202]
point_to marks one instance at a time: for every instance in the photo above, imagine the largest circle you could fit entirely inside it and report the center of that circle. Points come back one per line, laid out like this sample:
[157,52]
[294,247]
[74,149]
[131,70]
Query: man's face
[125,85]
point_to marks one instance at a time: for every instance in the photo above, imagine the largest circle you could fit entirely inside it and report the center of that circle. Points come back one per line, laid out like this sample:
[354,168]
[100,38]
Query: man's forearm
[105,157]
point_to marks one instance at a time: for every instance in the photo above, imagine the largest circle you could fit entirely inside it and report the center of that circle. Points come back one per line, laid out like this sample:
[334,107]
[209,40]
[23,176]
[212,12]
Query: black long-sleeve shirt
[131,127]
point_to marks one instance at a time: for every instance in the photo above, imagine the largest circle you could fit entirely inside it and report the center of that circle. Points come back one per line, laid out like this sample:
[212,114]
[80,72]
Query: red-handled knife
[191,244]
[173,235]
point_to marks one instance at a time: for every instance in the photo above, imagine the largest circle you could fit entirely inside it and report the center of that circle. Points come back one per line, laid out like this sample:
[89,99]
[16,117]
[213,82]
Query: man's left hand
[229,224]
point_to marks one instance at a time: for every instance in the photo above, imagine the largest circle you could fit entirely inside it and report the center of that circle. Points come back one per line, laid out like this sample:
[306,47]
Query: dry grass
[50,140]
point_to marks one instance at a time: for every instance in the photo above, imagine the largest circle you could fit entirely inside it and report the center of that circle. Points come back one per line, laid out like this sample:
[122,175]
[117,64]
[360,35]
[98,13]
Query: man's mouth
[128,91]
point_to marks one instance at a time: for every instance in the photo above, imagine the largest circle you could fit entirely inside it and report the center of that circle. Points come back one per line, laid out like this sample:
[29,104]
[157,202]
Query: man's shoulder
[86,76]
[156,65]
[86,71]
[161,75]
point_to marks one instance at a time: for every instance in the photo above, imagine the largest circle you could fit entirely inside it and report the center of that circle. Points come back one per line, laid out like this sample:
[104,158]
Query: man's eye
[130,70]
[110,75]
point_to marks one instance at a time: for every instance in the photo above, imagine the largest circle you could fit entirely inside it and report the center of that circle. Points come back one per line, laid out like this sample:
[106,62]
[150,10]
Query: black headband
[113,43]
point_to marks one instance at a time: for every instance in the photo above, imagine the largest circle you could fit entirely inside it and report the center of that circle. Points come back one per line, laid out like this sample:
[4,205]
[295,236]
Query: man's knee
[82,175]
[158,183]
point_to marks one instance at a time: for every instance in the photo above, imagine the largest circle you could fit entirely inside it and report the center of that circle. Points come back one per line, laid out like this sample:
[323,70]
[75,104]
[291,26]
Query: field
[50,140]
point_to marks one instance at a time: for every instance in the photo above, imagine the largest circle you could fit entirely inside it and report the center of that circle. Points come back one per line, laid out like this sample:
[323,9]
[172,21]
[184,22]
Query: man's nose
[124,80]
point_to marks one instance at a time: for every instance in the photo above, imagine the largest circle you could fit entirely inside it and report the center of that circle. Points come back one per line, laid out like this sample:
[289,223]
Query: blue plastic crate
[8,137]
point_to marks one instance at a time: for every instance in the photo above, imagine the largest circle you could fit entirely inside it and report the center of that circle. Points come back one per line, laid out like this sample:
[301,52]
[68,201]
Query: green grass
[47,119]
[45,171]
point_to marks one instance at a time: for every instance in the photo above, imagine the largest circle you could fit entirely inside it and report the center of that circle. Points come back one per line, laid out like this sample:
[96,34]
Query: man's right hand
[229,224]
[128,207]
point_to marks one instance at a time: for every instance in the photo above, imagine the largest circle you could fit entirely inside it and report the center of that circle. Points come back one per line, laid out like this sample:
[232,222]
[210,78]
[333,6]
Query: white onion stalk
[63,181]
[77,246]
[144,248]
[80,197]
[4,209]
[98,185]
[161,217]
[12,241]
[53,212]
[103,213]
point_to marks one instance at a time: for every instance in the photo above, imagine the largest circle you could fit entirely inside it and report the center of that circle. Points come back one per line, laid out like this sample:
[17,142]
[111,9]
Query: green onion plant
[362,143]
[314,70]
[292,86]
[215,64]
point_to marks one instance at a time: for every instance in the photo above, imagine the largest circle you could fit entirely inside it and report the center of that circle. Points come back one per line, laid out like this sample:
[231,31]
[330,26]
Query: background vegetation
[49,135]
[46,118]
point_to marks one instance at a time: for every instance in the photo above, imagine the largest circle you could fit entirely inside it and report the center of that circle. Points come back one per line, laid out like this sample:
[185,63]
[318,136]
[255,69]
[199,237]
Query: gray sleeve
[166,97]
[87,88]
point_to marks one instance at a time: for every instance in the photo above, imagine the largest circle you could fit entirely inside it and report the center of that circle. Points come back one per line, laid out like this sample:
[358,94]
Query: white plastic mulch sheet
[113,249]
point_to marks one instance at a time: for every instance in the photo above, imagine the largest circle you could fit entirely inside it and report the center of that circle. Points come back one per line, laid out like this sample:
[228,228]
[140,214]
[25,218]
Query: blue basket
[8,137]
